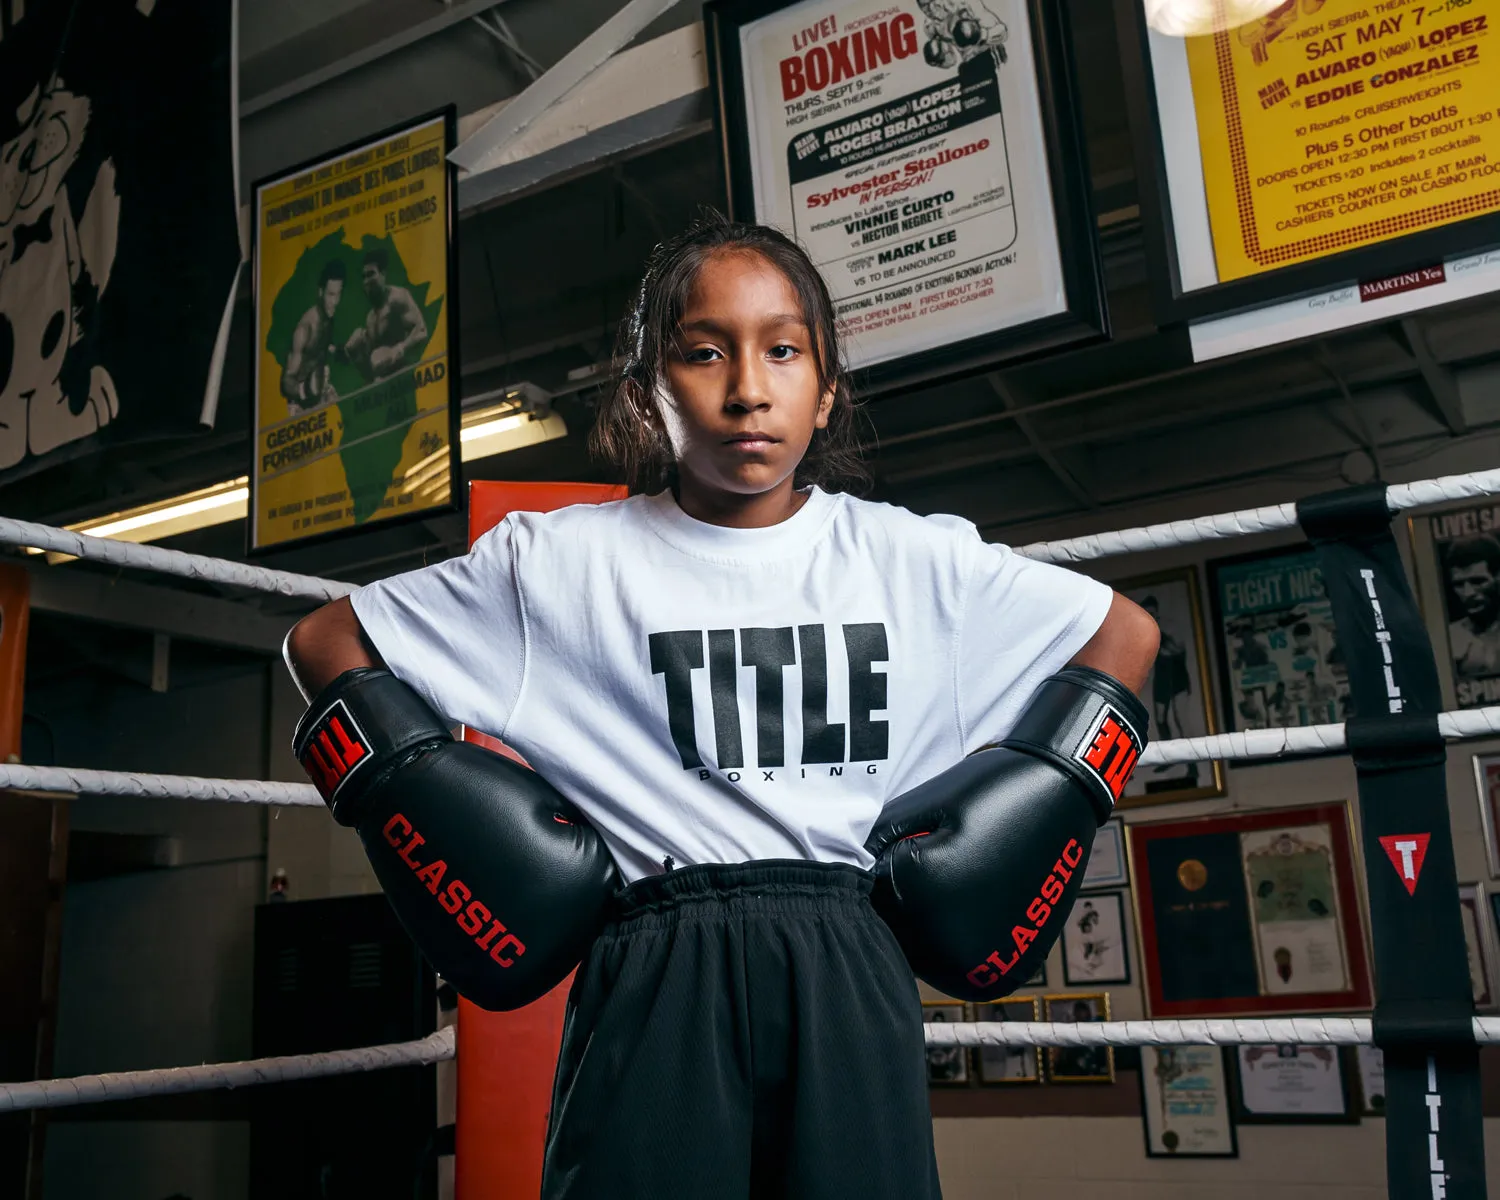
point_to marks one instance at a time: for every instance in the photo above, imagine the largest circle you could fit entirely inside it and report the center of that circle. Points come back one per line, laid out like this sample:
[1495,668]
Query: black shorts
[743,1031]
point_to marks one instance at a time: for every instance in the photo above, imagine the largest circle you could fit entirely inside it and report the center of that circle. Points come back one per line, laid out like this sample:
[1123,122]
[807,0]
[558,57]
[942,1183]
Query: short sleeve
[454,632]
[1022,621]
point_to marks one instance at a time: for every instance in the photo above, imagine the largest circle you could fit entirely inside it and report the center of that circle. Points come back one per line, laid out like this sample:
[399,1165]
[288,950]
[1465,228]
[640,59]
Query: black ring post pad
[1427,1026]
[1348,512]
[1395,742]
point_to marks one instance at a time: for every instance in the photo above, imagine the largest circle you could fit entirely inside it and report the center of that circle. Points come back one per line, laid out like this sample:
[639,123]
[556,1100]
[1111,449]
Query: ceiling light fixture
[1195,18]
[521,418]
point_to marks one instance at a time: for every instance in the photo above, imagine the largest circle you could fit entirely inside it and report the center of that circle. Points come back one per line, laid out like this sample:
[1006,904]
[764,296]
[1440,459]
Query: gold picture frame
[1175,599]
[1085,1064]
[1000,1066]
[947,1066]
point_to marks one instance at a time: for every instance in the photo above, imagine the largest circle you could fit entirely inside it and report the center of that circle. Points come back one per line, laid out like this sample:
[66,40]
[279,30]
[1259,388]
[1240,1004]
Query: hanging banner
[1340,124]
[906,147]
[119,228]
[355,397]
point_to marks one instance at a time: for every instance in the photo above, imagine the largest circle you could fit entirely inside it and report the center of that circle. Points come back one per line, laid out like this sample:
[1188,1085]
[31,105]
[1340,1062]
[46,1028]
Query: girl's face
[745,397]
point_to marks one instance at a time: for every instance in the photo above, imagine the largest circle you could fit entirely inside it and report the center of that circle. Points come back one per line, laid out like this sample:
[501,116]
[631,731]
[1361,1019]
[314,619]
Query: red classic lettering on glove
[976,868]
[498,878]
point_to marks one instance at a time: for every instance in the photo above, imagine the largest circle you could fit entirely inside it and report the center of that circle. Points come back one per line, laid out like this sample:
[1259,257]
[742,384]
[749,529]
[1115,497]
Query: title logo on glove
[1109,750]
[335,748]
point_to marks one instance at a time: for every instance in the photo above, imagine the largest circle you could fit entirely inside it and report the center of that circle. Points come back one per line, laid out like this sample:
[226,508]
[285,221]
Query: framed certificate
[1185,1105]
[1106,866]
[1472,908]
[1327,149]
[1079,1064]
[946,1065]
[1009,1064]
[1279,655]
[1292,1085]
[927,154]
[1250,914]
[1095,948]
[1178,688]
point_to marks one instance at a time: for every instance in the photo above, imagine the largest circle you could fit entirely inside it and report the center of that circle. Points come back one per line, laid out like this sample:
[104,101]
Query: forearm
[1125,645]
[325,644]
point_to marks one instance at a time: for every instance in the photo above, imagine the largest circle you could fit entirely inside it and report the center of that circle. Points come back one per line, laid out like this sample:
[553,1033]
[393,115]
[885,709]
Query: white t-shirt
[719,695]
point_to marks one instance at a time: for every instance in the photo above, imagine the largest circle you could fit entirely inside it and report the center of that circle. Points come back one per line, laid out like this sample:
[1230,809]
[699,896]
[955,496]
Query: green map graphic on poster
[376,415]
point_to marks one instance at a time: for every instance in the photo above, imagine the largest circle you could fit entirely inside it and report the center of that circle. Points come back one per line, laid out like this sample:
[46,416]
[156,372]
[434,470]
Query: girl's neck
[735,510]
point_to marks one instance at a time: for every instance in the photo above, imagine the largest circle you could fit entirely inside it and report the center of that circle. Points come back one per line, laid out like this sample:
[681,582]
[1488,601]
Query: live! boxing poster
[355,383]
[903,145]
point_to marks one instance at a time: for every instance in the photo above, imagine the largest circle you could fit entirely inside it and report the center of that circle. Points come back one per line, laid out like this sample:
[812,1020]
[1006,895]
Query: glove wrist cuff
[353,731]
[1089,724]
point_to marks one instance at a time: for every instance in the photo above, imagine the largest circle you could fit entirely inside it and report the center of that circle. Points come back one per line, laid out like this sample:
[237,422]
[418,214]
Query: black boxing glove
[499,879]
[977,869]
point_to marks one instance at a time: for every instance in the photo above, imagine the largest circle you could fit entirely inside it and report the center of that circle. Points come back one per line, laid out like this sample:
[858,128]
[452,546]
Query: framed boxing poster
[928,155]
[1326,164]
[1179,688]
[1106,866]
[1185,1106]
[1369,1073]
[1279,655]
[1250,914]
[1009,1064]
[1456,555]
[355,402]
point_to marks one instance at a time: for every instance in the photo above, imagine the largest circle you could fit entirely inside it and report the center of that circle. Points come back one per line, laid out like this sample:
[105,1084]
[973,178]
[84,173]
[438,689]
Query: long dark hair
[629,432]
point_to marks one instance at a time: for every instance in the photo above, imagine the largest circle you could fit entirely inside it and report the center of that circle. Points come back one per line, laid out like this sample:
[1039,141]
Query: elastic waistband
[770,884]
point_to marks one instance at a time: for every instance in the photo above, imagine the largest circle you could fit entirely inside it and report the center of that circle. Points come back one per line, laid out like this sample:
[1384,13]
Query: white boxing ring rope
[441,1046]
[1254,743]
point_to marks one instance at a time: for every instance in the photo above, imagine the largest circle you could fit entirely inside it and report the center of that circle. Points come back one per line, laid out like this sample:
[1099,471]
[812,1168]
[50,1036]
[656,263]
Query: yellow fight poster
[355,381]
[1333,124]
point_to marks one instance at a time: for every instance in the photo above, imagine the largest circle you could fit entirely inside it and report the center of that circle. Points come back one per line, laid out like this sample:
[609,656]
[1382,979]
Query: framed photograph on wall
[1487,785]
[946,1064]
[1456,556]
[1369,1070]
[929,158]
[1009,1064]
[1079,1064]
[1277,197]
[1279,656]
[1107,866]
[1292,1085]
[1250,914]
[1095,948]
[1185,1105]
[1178,690]
[1472,907]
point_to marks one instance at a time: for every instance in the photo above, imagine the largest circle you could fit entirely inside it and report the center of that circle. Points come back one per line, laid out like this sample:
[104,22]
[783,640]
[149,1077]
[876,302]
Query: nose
[749,385]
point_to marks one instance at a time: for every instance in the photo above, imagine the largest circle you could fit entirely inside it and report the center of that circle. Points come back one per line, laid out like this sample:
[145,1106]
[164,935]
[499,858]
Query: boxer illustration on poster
[902,144]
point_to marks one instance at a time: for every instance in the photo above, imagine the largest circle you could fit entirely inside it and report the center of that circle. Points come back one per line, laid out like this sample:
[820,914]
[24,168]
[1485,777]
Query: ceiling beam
[1442,387]
[354,39]
[91,596]
[1064,476]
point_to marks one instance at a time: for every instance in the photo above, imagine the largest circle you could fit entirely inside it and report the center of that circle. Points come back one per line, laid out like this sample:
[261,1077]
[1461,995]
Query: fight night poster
[902,146]
[1331,124]
[355,397]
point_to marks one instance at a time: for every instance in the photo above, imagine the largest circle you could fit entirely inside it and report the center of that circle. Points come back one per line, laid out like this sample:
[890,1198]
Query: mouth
[751,441]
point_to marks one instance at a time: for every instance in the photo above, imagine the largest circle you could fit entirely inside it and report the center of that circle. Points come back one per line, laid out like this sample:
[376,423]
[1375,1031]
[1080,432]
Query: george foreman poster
[904,145]
[355,391]
[119,228]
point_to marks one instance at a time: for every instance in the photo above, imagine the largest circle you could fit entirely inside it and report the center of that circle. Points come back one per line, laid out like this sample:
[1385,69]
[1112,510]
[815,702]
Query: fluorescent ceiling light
[483,433]
[1194,18]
